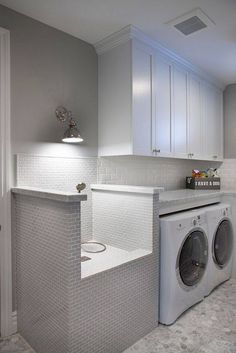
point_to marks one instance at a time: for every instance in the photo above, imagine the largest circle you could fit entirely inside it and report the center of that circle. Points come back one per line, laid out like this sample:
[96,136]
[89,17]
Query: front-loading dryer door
[192,258]
[222,246]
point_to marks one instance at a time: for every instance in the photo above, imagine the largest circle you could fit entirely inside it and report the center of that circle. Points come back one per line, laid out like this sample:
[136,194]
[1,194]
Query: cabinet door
[179,111]
[213,119]
[220,125]
[161,132]
[195,125]
[142,103]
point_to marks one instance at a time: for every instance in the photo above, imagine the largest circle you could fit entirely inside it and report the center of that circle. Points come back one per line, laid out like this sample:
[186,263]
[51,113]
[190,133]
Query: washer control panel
[197,220]
[194,222]
[226,212]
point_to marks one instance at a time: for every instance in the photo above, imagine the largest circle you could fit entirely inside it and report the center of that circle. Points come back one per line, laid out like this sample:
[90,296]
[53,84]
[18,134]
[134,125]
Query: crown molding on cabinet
[131,32]
[115,39]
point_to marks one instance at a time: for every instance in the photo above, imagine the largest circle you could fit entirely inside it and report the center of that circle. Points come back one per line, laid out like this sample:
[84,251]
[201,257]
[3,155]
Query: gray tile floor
[208,327]
[15,344]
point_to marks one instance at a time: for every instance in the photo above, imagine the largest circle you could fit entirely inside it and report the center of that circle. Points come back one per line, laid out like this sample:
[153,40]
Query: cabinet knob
[215,157]
[156,150]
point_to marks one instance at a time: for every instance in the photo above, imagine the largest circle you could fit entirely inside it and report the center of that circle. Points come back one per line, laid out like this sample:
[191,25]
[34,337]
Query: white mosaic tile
[228,174]
[58,312]
[61,174]
[123,220]
[209,327]
[47,266]
[132,170]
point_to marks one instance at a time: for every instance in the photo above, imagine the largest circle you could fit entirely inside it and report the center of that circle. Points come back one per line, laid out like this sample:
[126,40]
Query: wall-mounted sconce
[72,134]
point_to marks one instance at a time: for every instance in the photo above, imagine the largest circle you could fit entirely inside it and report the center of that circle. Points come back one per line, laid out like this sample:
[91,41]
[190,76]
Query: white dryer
[221,240]
[183,263]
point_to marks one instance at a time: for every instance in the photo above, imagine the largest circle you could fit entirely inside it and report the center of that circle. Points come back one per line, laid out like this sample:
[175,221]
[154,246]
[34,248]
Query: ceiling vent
[191,22]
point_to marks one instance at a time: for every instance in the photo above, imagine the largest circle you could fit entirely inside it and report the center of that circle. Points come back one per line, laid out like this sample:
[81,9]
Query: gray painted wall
[230,121]
[49,68]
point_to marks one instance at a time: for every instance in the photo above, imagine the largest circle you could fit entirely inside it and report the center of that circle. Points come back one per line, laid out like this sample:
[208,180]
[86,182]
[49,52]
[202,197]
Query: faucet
[80,187]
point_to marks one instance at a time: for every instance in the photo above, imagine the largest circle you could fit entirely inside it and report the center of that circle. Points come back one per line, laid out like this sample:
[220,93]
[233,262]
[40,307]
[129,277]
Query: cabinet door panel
[162,123]
[142,99]
[179,110]
[213,122]
[220,124]
[195,136]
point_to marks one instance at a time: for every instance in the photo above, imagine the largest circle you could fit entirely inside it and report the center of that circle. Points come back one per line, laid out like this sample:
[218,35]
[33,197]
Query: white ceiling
[212,49]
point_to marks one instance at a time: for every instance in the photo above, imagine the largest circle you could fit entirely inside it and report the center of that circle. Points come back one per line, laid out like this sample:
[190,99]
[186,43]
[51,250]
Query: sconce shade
[72,134]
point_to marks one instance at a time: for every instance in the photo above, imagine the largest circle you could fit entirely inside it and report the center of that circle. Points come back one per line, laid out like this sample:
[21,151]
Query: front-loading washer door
[192,259]
[223,243]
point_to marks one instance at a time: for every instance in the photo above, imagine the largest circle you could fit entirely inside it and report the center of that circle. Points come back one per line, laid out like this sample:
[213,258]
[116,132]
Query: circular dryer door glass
[193,258]
[223,243]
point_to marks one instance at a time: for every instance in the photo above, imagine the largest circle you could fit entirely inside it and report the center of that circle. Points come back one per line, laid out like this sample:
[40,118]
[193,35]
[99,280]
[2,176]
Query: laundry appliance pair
[196,256]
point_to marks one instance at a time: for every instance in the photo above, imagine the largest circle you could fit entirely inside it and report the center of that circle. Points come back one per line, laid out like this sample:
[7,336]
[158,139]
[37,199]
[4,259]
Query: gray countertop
[167,199]
[177,200]
[187,194]
[50,194]
[127,188]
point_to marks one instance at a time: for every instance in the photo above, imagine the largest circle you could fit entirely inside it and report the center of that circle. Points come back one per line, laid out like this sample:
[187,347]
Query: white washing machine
[221,240]
[183,263]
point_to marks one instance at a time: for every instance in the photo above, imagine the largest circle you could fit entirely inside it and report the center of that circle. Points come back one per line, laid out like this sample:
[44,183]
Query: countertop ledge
[184,199]
[187,194]
[50,194]
[128,188]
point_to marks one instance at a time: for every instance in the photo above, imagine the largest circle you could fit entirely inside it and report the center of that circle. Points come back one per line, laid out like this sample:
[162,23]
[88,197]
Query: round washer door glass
[223,243]
[193,258]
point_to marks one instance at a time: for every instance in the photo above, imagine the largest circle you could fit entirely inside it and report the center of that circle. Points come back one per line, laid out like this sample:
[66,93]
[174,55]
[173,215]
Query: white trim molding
[131,32]
[14,322]
[5,179]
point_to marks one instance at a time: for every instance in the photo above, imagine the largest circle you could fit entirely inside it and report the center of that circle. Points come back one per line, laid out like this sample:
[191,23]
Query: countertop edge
[184,199]
[194,197]
[127,188]
[49,194]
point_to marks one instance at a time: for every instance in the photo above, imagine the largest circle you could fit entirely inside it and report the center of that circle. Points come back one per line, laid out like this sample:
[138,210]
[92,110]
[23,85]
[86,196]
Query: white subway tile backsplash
[64,173]
[132,170]
[61,174]
[228,174]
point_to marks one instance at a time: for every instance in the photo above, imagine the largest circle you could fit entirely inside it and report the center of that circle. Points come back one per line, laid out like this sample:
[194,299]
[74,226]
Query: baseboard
[14,322]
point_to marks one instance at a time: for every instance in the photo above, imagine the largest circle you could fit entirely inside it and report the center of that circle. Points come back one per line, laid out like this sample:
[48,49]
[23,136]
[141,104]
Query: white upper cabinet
[179,109]
[213,120]
[152,103]
[195,118]
[125,103]
[162,122]
[142,98]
